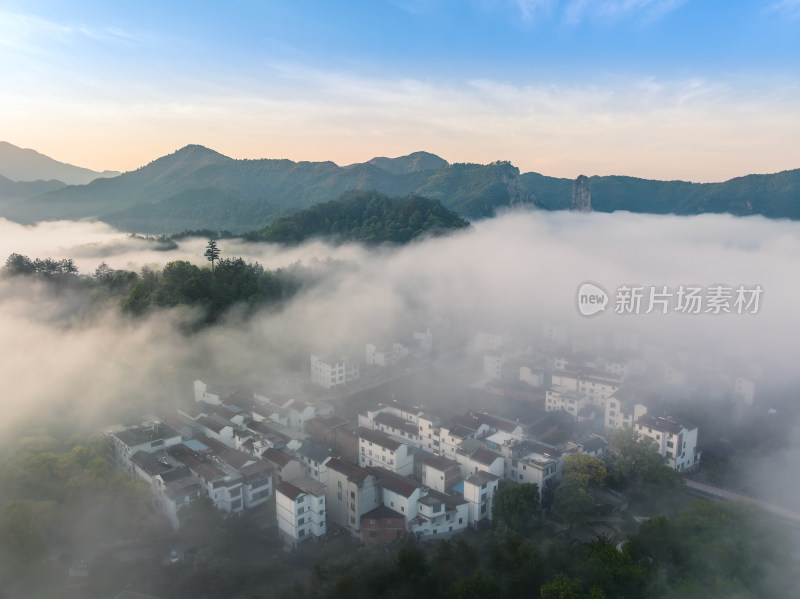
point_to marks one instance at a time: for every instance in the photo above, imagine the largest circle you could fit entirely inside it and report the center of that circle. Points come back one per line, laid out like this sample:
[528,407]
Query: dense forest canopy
[364,216]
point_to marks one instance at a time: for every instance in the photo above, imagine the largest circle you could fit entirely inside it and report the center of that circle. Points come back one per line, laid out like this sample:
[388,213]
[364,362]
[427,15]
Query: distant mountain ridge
[198,188]
[25,165]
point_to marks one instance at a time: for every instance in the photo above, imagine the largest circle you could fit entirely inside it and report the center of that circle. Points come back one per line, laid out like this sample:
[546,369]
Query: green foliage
[65,493]
[574,503]
[639,469]
[516,509]
[18,264]
[584,471]
[715,550]
[233,283]
[365,216]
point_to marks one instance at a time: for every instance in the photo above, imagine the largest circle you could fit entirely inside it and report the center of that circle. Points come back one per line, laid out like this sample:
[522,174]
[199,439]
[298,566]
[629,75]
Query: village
[396,468]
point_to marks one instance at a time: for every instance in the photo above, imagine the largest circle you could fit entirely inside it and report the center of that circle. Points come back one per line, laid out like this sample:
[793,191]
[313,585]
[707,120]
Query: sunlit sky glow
[669,89]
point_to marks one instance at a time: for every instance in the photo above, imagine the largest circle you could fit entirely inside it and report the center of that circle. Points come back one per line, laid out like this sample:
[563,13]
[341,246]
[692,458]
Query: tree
[212,252]
[516,508]
[584,470]
[18,264]
[574,503]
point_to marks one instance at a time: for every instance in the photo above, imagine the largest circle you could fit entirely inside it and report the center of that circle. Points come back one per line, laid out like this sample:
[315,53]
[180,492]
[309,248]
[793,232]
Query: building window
[301,533]
[300,521]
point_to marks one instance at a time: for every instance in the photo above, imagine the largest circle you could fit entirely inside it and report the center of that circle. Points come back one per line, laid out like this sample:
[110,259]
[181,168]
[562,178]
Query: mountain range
[198,188]
[24,165]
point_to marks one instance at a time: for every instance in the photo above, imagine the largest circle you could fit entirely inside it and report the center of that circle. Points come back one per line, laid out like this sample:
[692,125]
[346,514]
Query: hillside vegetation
[364,216]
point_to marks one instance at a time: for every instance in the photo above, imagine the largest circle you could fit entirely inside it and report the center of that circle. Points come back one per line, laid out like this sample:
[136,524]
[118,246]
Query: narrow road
[712,492]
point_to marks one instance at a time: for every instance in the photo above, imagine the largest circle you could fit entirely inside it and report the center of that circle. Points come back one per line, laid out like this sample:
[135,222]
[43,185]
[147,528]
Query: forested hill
[198,188]
[365,216]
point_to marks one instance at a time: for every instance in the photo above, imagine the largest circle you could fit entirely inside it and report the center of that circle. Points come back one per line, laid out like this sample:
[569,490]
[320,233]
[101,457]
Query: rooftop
[396,422]
[486,457]
[276,456]
[660,423]
[396,483]
[141,435]
[480,477]
[353,473]
[379,438]
[439,462]
[288,489]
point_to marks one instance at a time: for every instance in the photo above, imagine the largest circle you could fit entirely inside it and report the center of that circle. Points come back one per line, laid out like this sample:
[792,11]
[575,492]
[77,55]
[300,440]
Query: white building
[314,458]
[385,355]
[560,398]
[151,437]
[331,373]
[376,448]
[425,340]
[676,440]
[351,492]
[532,462]
[439,473]
[532,375]
[479,490]
[489,342]
[439,515]
[175,489]
[623,408]
[595,384]
[300,508]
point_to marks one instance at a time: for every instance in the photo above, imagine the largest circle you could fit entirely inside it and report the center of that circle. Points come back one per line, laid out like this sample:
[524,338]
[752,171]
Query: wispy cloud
[786,8]
[31,33]
[645,11]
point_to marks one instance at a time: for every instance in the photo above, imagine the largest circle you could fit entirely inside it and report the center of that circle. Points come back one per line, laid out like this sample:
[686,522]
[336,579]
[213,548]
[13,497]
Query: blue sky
[654,88]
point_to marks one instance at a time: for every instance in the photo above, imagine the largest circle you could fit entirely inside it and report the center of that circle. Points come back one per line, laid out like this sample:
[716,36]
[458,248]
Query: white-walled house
[211,394]
[597,385]
[398,492]
[532,375]
[479,490]
[314,458]
[300,510]
[351,492]
[440,473]
[676,440]
[563,399]
[480,460]
[623,408]
[173,490]
[287,467]
[439,515]
[333,372]
[151,437]
[376,448]
[385,355]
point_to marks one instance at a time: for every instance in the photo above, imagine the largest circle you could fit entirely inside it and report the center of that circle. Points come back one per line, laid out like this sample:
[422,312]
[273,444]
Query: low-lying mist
[507,274]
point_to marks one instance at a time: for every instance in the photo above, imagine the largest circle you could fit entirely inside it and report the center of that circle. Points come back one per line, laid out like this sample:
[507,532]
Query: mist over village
[400,299]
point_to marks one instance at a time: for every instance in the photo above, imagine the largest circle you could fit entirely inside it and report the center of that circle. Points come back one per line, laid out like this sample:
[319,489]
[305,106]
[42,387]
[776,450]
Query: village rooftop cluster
[399,469]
